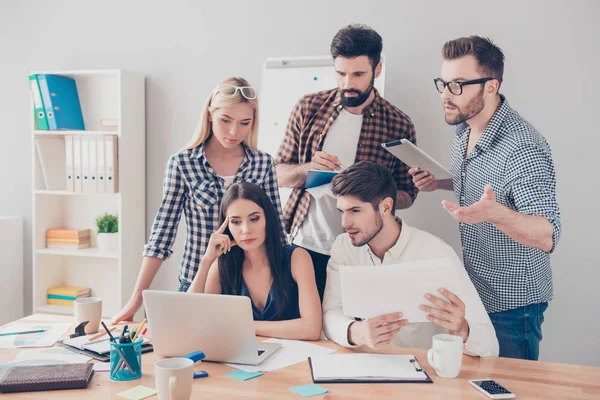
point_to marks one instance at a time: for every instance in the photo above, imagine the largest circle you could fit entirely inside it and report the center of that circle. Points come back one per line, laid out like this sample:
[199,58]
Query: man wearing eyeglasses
[503,177]
[332,129]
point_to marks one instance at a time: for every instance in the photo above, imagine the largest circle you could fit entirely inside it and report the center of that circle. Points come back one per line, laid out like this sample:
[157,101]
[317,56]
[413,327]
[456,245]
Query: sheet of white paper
[102,367]
[40,318]
[291,352]
[365,366]
[44,356]
[319,191]
[368,292]
[53,332]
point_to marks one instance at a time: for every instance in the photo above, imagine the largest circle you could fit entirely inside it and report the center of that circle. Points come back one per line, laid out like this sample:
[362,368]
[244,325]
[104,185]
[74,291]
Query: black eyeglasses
[456,88]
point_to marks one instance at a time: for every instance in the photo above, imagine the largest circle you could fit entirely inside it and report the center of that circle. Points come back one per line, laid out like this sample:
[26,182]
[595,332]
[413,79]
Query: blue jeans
[519,331]
[183,286]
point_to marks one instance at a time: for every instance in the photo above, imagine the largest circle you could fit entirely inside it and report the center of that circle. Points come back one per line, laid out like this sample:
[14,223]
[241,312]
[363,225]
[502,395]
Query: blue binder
[61,101]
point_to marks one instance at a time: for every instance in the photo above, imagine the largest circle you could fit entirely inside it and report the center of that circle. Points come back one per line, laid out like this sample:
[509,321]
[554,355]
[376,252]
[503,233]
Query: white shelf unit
[103,94]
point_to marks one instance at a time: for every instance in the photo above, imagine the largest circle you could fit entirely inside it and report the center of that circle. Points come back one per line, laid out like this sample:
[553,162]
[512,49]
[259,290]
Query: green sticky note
[243,375]
[309,390]
[137,393]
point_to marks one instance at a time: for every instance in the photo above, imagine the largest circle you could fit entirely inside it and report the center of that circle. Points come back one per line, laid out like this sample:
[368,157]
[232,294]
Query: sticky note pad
[309,390]
[137,393]
[243,375]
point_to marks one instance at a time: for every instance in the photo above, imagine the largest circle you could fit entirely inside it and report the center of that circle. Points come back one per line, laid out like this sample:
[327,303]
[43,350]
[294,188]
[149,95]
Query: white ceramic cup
[445,356]
[173,378]
[89,309]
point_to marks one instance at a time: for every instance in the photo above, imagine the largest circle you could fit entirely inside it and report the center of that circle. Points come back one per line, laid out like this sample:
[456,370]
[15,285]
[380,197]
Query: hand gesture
[219,243]
[482,211]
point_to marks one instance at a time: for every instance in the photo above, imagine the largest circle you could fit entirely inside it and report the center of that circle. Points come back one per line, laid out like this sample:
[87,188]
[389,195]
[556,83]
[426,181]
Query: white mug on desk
[173,378]
[445,356]
[88,309]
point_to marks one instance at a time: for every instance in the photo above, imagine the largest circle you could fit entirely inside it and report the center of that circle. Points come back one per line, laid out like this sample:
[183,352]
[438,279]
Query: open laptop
[219,325]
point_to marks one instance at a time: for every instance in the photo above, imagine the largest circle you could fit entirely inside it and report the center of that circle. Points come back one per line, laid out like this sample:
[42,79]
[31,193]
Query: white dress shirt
[412,245]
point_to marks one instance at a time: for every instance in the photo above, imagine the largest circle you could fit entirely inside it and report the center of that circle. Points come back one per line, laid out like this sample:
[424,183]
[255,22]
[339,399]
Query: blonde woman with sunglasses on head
[222,152]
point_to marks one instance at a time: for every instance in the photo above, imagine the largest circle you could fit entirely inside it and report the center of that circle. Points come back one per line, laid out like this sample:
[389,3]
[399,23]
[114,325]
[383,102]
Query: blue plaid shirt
[515,159]
[191,186]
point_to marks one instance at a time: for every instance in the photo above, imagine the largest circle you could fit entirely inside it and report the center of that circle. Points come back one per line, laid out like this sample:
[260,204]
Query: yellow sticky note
[137,393]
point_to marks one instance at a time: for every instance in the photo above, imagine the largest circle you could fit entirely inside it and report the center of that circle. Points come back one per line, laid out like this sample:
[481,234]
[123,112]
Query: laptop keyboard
[260,352]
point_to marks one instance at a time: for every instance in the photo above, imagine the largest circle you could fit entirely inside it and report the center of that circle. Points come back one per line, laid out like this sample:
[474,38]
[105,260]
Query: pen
[22,332]
[112,338]
[139,329]
[99,335]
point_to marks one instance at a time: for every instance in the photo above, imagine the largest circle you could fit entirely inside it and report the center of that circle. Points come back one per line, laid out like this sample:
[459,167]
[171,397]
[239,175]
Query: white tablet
[413,156]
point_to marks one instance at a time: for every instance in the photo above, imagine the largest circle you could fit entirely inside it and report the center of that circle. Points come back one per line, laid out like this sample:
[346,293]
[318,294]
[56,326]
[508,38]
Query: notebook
[316,178]
[367,368]
[46,377]
[97,349]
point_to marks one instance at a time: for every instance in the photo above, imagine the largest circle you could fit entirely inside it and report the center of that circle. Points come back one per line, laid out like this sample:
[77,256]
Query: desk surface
[528,379]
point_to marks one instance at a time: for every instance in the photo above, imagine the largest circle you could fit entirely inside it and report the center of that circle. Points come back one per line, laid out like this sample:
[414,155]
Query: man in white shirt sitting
[366,194]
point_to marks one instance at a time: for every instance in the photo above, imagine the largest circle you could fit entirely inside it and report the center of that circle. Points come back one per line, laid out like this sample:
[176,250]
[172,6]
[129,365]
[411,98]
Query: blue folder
[317,178]
[63,110]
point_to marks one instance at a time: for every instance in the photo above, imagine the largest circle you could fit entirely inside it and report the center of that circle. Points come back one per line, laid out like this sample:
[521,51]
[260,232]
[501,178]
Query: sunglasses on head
[230,90]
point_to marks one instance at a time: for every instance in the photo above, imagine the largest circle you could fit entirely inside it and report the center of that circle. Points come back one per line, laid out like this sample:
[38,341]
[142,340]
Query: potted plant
[108,232]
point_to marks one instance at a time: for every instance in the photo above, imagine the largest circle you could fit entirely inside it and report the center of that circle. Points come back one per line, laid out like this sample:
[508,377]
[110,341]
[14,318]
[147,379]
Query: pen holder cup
[125,361]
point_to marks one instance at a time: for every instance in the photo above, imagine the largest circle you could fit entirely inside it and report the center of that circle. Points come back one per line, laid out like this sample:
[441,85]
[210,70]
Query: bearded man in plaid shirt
[333,129]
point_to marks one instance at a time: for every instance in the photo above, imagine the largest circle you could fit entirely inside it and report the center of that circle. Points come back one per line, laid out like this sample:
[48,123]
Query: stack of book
[68,238]
[66,295]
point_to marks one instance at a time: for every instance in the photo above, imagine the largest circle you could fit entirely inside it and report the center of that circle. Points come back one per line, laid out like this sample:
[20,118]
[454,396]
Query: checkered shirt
[308,125]
[191,186]
[515,159]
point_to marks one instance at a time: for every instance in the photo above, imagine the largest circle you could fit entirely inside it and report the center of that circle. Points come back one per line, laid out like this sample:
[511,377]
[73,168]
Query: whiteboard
[284,82]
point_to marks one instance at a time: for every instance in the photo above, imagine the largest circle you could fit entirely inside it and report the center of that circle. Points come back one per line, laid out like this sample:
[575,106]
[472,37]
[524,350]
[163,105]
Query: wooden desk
[528,379]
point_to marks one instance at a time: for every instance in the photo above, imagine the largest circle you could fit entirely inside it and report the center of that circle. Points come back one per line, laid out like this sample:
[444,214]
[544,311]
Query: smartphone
[492,389]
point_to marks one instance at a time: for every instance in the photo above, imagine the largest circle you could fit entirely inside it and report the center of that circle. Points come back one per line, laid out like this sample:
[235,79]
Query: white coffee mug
[445,356]
[174,376]
[89,309]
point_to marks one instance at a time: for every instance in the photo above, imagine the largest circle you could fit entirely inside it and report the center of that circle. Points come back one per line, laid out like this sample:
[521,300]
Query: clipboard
[406,358]
[413,156]
[316,178]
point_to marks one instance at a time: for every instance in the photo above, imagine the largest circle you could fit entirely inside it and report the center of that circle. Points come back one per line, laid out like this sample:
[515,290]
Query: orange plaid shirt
[308,125]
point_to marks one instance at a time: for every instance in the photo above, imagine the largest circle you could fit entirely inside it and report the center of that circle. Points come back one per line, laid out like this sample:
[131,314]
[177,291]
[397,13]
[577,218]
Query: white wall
[551,78]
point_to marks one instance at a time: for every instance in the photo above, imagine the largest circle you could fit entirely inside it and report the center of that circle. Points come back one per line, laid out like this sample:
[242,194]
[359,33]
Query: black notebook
[367,368]
[46,377]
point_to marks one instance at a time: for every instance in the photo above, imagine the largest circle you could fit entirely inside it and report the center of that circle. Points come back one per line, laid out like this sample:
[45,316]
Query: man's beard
[473,108]
[371,234]
[361,98]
